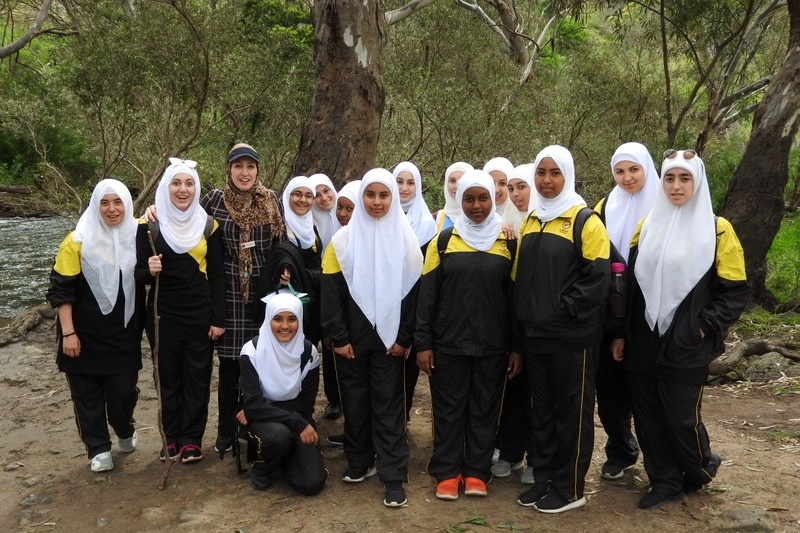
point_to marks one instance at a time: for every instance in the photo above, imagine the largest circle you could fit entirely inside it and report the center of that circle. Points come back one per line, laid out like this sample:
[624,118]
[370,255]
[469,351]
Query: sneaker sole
[449,497]
[228,449]
[191,459]
[371,471]
[395,504]
[501,475]
[479,493]
[99,469]
[571,505]
[618,476]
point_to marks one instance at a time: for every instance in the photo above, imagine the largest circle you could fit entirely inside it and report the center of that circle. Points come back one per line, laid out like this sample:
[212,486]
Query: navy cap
[240,152]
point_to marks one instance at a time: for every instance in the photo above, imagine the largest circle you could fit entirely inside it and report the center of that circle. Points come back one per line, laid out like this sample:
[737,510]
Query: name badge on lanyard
[248,244]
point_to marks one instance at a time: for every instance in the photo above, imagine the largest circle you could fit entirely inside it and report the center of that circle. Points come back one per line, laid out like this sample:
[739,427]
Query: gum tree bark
[340,138]
[755,200]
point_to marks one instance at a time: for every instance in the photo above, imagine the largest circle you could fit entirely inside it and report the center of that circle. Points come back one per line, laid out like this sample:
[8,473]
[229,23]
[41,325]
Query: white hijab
[548,209]
[624,210]
[325,220]
[419,216]
[451,209]
[350,191]
[479,236]
[676,246]
[514,217]
[278,363]
[380,258]
[181,230]
[299,227]
[506,167]
[106,251]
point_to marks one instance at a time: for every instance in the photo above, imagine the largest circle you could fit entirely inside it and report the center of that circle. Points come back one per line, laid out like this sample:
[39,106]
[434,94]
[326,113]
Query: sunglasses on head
[672,153]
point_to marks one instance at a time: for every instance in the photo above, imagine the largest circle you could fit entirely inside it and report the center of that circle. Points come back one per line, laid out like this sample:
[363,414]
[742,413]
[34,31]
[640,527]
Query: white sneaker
[503,468]
[527,476]
[102,462]
[495,456]
[129,444]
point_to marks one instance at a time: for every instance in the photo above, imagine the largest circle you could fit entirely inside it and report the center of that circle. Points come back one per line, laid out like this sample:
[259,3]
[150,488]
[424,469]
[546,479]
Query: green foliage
[783,271]
[756,322]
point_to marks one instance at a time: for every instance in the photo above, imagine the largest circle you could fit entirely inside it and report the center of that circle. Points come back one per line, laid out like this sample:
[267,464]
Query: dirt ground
[46,485]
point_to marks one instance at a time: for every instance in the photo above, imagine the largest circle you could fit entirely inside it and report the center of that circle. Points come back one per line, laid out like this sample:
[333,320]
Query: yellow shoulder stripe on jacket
[68,258]
[729,260]
[330,263]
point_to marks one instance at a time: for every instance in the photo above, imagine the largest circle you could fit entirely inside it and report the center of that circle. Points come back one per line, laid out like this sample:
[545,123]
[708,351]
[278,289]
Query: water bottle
[617,298]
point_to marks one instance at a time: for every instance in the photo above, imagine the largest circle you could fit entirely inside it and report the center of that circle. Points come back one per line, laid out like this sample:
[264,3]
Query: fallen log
[727,363]
[24,322]
[15,189]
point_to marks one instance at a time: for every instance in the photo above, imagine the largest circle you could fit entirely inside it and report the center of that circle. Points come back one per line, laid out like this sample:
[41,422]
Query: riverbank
[45,483]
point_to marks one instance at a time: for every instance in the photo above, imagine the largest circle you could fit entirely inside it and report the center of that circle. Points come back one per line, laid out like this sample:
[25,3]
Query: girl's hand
[617,349]
[286,277]
[215,333]
[154,264]
[241,418]
[514,365]
[71,345]
[345,351]
[509,232]
[150,213]
[425,361]
[309,435]
[397,351]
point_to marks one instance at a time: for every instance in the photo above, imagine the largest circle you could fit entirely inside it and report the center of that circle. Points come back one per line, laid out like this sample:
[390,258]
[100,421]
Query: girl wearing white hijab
[100,320]
[324,208]
[637,188]
[369,275]
[346,201]
[419,216]
[451,210]
[562,277]
[466,355]
[520,185]
[184,249]
[688,287]
[500,169]
[279,384]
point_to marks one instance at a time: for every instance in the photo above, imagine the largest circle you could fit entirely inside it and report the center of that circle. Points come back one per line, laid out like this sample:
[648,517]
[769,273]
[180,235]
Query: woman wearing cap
[251,221]
[187,256]
[688,286]
[447,215]
[280,379]
[466,355]
[628,203]
[100,321]
[369,275]
[409,185]
[561,281]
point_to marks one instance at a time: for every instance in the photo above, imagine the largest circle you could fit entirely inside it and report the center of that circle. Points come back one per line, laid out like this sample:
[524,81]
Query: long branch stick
[156,334]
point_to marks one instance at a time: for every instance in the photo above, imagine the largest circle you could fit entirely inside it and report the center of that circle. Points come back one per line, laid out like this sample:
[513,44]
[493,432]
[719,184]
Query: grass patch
[783,261]
[783,435]
[756,322]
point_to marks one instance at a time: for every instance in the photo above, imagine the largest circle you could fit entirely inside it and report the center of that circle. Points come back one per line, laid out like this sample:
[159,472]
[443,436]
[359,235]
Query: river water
[27,249]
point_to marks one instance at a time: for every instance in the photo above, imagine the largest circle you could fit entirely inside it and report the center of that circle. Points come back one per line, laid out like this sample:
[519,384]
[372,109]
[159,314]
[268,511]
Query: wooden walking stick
[156,332]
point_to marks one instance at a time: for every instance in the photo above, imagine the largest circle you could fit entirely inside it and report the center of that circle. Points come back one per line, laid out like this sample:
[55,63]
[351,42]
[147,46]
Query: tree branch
[29,35]
[396,15]
[478,10]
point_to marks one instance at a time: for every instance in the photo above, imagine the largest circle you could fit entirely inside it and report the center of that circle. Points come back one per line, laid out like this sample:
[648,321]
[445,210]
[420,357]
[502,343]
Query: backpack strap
[442,241]
[577,229]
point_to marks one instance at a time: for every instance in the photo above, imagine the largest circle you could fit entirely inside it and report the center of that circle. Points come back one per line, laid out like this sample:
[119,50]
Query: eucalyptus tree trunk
[340,138]
[755,200]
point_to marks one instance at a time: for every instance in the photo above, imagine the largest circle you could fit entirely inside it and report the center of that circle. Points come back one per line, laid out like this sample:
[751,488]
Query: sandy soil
[46,485]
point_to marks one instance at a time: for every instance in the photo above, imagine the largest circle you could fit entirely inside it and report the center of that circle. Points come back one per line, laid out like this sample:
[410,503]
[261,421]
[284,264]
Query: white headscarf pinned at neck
[548,209]
[181,230]
[380,258]
[324,219]
[480,236]
[451,209]
[505,166]
[514,217]
[624,210]
[278,363]
[419,216]
[676,245]
[301,227]
[107,251]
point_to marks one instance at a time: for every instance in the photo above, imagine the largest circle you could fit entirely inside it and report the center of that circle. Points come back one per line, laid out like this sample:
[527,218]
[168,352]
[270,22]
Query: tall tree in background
[755,200]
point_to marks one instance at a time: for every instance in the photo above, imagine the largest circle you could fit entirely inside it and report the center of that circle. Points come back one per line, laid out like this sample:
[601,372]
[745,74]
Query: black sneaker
[259,478]
[191,453]
[173,453]
[712,464]
[553,503]
[336,440]
[357,475]
[332,411]
[395,495]
[533,494]
[224,444]
[655,498]
[611,470]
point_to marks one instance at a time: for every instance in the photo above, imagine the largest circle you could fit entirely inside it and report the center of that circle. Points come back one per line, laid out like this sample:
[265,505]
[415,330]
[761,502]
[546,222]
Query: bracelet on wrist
[65,335]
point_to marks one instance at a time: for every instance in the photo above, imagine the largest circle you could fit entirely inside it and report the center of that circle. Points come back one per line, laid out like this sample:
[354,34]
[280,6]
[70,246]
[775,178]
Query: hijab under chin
[380,258]
[182,230]
[324,219]
[419,216]
[300,227]
[481,235]
[108,253]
